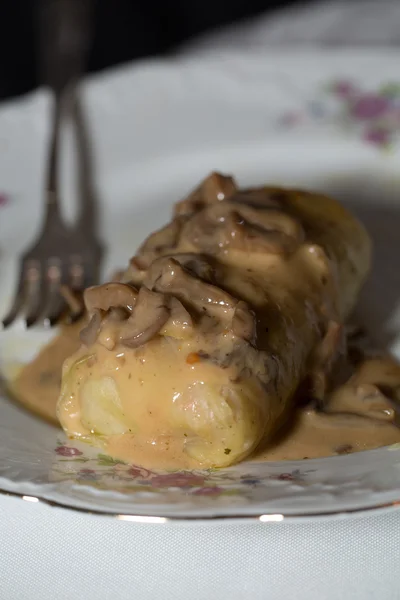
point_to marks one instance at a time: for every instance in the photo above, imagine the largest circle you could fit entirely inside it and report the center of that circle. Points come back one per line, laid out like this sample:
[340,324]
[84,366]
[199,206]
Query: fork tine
[34,302]
[15,308]
[56,311]
[28,279]
[74,317]
[36,306]
[75,305]
[54,303]
[76,273]
[75,285]
[91,275]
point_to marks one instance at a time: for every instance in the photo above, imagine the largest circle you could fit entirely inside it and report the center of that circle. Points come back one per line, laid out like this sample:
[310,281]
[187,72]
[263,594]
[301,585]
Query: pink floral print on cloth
[374,115]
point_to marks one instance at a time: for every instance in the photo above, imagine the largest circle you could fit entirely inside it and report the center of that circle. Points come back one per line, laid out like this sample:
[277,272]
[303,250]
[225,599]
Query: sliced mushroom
[89,334]
[157,244]
[149,315]
[137,264]
[320,258]
[196,264]
[340,420]
[242,227]
[117,314]
[372,391]
[209,230]
[274,220]
[168,276]
[218,187]
[270,230]
[110,295]
[73,300]
[134,275]
[366,400]
[179,324]
[244,322]
[263,197]
[332,344]
[215,188]
[324,358]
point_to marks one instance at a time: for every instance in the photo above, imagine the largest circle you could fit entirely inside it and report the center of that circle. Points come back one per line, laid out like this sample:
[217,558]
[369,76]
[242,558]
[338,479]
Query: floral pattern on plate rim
[100,470]
[87,466]
[374,116]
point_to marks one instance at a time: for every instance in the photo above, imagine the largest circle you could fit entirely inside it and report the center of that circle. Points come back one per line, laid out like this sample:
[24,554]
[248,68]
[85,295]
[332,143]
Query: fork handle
[52,208]
[64,38]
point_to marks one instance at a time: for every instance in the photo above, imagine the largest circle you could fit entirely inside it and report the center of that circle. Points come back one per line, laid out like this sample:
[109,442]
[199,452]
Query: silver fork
[62,257]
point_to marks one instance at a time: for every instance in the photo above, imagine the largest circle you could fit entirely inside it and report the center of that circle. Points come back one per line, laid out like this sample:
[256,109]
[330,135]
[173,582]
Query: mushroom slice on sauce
[110,295]
[148,317]
[215,188]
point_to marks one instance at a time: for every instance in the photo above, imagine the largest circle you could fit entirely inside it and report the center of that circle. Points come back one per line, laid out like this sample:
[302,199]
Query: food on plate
[37,385]
[223,318]
[224,340]
[360,414]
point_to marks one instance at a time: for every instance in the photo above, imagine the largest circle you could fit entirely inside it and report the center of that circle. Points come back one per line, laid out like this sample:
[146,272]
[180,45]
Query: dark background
[123,30]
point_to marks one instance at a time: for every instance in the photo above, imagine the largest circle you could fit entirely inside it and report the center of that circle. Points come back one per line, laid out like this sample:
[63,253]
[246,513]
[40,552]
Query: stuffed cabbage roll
[193,359]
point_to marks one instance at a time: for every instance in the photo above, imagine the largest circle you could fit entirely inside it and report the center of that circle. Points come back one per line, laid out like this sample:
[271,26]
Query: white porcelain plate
[330,122]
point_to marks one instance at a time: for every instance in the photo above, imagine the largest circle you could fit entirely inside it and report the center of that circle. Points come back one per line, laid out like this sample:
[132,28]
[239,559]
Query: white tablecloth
[54,554]
[50,553]
[331,23]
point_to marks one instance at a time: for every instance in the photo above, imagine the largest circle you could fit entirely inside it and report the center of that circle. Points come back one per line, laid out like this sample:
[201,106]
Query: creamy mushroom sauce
[360,414]
[222,315]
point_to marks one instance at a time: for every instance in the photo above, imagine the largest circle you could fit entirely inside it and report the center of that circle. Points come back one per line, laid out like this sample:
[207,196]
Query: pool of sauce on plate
[360,414]
[37,386]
